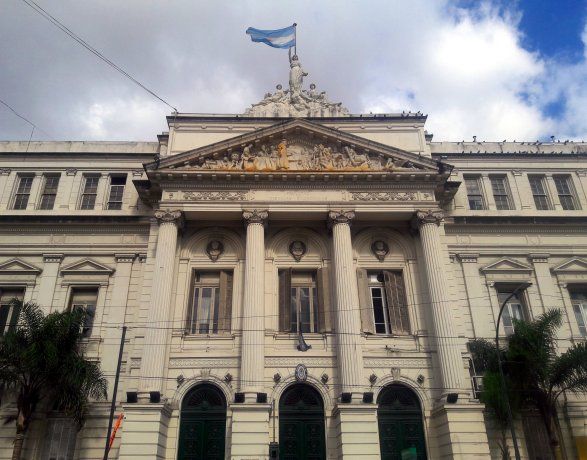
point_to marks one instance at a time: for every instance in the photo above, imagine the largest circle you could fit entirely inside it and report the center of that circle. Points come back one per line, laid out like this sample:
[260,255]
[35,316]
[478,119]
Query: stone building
[296,275]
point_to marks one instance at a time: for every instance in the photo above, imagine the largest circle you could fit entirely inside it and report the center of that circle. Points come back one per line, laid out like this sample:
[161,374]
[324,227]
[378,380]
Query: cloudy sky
[495,69]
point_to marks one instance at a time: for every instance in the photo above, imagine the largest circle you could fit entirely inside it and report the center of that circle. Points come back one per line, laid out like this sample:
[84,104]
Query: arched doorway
[301,424]
[202,428]
[401,431]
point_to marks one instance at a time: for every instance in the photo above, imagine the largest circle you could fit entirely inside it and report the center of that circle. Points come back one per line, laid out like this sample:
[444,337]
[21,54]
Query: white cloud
[466,68]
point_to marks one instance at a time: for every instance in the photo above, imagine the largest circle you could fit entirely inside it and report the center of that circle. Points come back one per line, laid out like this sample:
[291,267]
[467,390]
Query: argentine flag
[280,38]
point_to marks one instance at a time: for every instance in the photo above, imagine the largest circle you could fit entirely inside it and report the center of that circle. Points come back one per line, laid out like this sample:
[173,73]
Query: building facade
[294,276]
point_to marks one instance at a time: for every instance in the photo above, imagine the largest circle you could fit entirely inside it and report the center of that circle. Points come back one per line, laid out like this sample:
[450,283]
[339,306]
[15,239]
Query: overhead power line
[37,8]
[22,117]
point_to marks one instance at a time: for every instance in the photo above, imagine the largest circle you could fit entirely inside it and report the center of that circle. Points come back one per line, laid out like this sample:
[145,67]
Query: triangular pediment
[298,145]
[17,266]
[86,266]
[506,265]
[574,265]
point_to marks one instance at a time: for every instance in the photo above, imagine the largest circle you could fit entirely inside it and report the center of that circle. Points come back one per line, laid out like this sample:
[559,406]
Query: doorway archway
[202,429]
[401,430]
[301,424]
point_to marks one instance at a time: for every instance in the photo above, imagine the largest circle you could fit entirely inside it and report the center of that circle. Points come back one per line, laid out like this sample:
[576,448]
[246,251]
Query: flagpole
[295,38]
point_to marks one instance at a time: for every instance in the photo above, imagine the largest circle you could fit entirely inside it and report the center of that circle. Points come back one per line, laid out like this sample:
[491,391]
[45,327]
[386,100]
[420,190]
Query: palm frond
[569,370]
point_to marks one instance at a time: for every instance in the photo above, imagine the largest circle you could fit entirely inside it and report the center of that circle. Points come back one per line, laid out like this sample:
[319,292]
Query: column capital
[255,216]
[164,216]
[340,217]
[428,216]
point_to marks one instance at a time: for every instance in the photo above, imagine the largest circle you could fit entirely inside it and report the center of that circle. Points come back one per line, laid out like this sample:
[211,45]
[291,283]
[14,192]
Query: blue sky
[495,69]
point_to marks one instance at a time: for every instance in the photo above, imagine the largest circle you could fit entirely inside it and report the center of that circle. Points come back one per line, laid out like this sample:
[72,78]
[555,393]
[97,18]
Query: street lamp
[520,288]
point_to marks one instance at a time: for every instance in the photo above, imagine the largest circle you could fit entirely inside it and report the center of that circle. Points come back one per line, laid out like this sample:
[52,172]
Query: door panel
[398,433]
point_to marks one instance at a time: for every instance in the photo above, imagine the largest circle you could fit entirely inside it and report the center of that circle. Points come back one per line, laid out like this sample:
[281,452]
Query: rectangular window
[23,192]
[90,191]
[579,301]
[538,187]
[513,310]
[303,302]
[85,298]
[474,194]
[564,189]
[9,312]
[500,192]
[211,305]
[49,192]
[117,184]
[60,439]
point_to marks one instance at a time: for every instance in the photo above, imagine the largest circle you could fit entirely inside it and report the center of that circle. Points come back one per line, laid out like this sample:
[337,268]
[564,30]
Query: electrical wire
[37,8]
[22,117]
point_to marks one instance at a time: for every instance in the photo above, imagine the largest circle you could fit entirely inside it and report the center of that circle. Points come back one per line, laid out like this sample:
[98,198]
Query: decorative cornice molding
[406,363]
[293,362]
[165,216]
[340,217]
[255,216]
[137,172]
[468,258]
[52,258]
[428,216]
[383,196]
[125,258]
[5,171]
[215,196]
[70,171]
[206,363]
[538,258]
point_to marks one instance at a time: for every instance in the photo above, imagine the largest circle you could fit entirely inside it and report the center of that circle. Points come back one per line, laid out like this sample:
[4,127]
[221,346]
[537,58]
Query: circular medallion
[301,373]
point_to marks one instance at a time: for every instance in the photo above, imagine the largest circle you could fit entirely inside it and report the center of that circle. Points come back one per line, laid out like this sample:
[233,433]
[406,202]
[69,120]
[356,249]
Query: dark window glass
[539,192]
[500,193]
[49,192]
[117,184]
[23,192]
[565,192]
[474,193]
[90,192]
[8,312]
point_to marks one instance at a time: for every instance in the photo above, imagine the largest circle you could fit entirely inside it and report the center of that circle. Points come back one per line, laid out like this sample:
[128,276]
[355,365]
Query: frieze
[215,196]
[203,363]
[293,362]
[383,196]
[408,363]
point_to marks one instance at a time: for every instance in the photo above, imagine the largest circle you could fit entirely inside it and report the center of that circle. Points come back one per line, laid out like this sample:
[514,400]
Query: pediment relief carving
[86,266]
[17,266]
[574,265]
[301,153]
[507,265]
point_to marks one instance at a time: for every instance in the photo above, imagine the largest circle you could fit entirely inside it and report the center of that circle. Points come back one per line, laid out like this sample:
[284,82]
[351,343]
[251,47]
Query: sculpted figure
[248,158]
[283,161]
[296,75]
[356,160]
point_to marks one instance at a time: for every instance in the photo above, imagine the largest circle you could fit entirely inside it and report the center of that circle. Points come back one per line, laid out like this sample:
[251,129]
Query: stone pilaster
[153,359]
[51,263]
[449,354]
[252,355]
[348,322]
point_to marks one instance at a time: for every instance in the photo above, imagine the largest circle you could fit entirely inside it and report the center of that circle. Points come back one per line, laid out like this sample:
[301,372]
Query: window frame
[313,303]
[111,187]
[570,193]
[519,301]
[381,286]
[85,193]
[476,179]
[219,321]
[18,193]
[88,326]
[497,197]
[44,191]
[50,438]
[11,320]
[543,195]
[579,307]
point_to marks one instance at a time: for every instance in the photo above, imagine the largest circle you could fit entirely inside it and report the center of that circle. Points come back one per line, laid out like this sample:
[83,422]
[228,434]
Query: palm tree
[485,361]
[539,374]
[41,362]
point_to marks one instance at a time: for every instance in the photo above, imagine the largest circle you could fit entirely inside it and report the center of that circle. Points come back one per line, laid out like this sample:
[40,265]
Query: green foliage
[41,361]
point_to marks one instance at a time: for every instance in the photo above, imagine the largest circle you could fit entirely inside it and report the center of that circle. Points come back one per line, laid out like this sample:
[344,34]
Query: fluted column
[153,359]
[449,355]
[252,354]
[348,322]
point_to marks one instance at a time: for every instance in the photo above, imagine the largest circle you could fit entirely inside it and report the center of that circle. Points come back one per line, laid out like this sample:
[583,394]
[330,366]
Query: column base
[250,430]
[144,431]
[460,431]
[357,430]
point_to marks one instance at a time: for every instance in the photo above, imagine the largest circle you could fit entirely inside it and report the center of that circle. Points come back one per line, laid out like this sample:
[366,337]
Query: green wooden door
[401,431]
[301,424]
[202,424]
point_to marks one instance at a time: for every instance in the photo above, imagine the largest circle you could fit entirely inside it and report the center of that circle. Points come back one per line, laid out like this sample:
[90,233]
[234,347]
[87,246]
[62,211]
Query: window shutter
[397,305]
[285,300]
[367,321]
[225,303]
[324,303]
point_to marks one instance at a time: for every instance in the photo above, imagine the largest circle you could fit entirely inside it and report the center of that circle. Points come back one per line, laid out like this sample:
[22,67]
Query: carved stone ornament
[301,373]
[214,249]
[255,216]
[297,249]
[165,216]
[380,249]
[70,171]
[429,216]
[5,171]
[340,217]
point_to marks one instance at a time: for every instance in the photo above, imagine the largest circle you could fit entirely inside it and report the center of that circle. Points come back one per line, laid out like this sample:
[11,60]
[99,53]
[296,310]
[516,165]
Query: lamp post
[520,288]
